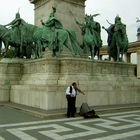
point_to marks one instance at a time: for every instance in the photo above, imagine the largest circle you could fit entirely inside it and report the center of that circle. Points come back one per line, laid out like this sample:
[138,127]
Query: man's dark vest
[70,89]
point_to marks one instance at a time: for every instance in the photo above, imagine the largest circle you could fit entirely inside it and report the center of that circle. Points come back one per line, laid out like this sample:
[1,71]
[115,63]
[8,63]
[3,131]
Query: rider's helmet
[117,19]
[17,15]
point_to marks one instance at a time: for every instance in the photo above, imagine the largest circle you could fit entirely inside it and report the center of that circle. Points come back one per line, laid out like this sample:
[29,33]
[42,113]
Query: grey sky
[108,9]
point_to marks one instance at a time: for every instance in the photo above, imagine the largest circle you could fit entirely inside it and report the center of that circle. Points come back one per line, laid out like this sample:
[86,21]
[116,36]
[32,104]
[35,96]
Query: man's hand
[83,93]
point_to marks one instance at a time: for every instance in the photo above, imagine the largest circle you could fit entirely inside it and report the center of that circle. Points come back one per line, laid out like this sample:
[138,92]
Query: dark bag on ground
[87,112]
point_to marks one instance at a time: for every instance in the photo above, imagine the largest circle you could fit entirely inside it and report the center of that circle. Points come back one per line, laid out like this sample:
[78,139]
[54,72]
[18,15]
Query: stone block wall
[10,74]
[43,83]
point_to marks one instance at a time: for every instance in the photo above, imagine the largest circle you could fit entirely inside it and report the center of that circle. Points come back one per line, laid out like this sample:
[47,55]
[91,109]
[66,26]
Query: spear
[108,22]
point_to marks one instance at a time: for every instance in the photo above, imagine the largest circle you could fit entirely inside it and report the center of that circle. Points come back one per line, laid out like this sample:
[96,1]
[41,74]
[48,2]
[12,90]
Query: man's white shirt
[73,94]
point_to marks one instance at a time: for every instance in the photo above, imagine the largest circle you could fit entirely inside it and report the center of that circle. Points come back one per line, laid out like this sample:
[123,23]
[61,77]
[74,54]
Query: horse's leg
[35,52]
[122,52]
[36,49]
[95,51]
[39,49]
[98,53]
[59,48]
[21,51]
[21,47]
[28,51]
[122,56]
[118,53]
[109,58]
[85,50]
[92,52]
[16,52]
[6,44]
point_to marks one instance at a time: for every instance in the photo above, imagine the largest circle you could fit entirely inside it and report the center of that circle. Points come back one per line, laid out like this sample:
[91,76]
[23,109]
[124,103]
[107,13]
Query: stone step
[62,112]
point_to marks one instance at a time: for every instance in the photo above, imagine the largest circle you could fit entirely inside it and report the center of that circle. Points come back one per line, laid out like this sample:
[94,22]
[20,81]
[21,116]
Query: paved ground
[18,125]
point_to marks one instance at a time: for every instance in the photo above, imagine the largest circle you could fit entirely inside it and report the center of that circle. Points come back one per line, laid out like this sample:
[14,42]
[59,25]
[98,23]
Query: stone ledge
[61,113]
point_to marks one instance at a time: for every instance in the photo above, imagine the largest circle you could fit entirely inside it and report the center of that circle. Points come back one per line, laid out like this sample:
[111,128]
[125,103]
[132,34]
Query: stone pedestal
[65,53]
[67,12]
[10,74]
[44,82]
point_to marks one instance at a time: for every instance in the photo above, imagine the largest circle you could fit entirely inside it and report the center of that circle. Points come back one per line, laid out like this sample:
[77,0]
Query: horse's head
[3,29]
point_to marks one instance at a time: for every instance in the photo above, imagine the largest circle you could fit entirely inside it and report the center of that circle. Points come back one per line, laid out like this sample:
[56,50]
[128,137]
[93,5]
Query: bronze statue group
[27,40]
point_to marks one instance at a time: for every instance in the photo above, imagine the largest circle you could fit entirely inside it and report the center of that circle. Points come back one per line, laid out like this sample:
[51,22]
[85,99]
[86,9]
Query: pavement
[18,122]
[61,113]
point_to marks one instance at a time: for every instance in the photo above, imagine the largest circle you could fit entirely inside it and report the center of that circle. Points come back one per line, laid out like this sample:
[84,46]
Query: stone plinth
[10,74]
[67,12]
[44,82]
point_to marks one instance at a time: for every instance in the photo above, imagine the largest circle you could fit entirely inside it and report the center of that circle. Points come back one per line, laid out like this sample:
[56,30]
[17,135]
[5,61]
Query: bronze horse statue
[120,42]
[91,37]
[36,39]
[24,46]
[117,40]
[56,39]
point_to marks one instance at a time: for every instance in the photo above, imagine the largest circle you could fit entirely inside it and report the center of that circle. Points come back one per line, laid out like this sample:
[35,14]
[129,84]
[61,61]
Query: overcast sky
[128,10]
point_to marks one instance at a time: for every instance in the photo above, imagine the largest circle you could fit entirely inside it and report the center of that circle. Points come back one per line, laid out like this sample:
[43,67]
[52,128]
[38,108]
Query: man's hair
[74,83]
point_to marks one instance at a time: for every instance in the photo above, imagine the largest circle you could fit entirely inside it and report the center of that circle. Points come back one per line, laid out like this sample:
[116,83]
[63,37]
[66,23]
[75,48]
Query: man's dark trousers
[71,106]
